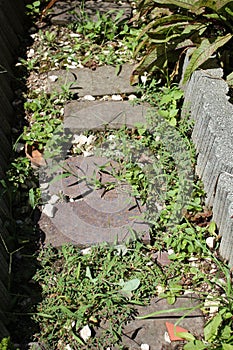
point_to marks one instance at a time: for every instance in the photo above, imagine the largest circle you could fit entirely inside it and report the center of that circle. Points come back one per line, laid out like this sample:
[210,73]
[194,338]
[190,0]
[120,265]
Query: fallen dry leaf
[35,156]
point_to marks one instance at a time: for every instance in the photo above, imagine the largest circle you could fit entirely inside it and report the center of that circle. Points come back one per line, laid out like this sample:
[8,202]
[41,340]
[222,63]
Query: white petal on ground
[212,305]
[79,140]
[49,210]
[87,154]
[85,333]
[68,347]
[89,98]
[30,53]
[160,289]
[86,251]
[167,338]
[145,347]
[90,140]
[53,78]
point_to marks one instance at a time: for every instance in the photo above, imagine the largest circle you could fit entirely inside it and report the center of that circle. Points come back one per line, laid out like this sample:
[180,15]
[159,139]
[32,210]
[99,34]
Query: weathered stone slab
[94,215]
[151,331]
[223,212]
[65,12]
[97,115]
[102,81]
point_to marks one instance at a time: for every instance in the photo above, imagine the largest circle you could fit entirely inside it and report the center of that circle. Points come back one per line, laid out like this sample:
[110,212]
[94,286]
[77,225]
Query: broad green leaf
[211,328]
[187,4]
[78,339]
[131,285]
[203,53]
[195,345]
[32,198]
[88,273]
[227,347]
[215,5]
[185,335]
[171,299]
[212,228]
[166,20]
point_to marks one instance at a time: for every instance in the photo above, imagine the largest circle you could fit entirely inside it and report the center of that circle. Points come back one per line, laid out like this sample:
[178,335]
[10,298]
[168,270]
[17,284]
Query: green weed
[98,288]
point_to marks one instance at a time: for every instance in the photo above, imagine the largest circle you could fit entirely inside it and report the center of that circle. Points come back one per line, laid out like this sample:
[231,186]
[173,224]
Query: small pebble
[210,241]
[85,333]
[49,210]
[89,98]
[117,98]
[54,199]
[44,186]
[132,97]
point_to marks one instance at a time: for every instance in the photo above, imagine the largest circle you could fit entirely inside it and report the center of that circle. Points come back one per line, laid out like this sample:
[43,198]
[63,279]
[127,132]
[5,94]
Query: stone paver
[65,12]
[102,81]
[96,215]
[98,115]
[151,331]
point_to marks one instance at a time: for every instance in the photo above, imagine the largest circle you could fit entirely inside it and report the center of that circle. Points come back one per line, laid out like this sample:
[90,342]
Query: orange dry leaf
[35,156]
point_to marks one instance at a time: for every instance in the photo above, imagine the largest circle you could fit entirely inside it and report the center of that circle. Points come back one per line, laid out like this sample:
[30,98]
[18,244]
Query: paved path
[82,214]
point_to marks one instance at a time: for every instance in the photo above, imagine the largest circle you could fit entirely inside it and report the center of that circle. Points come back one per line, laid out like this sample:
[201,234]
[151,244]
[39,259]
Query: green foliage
[33,9]
[174,26]
[6,344]
[45,117]
[100,286]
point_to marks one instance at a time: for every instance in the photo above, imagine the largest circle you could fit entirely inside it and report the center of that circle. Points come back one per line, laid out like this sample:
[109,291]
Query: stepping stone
[151,331]
[102,81]
[94,215]
[97,115]
[66,12]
